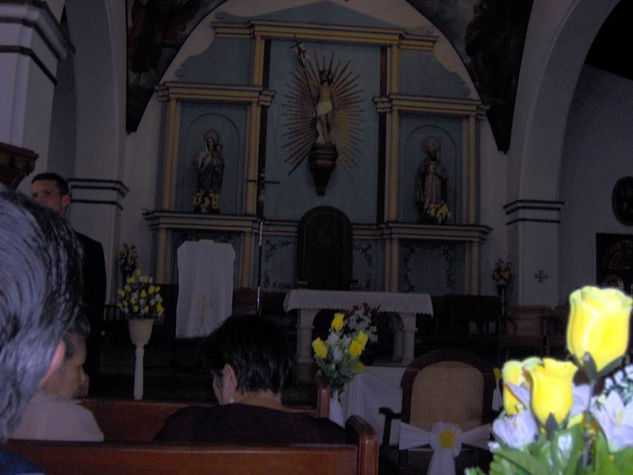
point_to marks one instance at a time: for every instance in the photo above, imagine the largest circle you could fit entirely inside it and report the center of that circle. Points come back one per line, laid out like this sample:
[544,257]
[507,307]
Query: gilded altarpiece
[233,101]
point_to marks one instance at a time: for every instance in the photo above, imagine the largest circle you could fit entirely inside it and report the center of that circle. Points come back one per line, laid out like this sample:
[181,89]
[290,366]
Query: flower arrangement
[552,424]
[338,357]
[362,318]
[439,212]
[126,259]
[140,298]
[501,273]
[206,202]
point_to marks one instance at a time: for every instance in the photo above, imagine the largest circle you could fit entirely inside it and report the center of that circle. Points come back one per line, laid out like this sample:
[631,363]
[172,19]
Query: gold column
[252,161]
[246,264]
[171,153]
[257,59]
[252,149]
[163,250]
[163,257]
[394,70]
[392,171]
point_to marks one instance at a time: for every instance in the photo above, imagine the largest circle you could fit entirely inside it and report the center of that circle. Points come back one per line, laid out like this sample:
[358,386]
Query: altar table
[310,302]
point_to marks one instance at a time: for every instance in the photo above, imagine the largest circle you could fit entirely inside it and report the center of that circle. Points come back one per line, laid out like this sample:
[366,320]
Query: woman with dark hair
[250,363]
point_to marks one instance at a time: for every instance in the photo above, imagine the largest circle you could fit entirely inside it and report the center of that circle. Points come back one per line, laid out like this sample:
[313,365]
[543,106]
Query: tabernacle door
[205,287]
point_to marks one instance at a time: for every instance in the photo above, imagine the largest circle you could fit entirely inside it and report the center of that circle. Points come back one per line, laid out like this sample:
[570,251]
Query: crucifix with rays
[323,116]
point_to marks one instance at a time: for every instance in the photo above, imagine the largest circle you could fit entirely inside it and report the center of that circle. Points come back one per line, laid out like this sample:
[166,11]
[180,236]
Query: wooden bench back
[139,421]
[359,455]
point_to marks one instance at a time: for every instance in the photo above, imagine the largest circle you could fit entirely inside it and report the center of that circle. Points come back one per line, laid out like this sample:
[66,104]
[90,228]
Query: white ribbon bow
[446,440]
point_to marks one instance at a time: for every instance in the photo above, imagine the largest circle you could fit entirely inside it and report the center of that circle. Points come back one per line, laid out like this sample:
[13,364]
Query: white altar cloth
[205,287]
[375,387]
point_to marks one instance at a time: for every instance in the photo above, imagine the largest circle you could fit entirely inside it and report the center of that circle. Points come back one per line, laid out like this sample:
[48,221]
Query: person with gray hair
[40,287]
[51,413]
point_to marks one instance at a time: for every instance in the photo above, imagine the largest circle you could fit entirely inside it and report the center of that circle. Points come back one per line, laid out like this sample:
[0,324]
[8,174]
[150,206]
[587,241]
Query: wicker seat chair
[444,385]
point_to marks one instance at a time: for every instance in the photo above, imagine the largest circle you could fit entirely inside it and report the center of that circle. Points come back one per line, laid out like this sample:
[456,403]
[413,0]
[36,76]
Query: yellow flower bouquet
[338,356]
[439,212]
[140,298]
[554,422]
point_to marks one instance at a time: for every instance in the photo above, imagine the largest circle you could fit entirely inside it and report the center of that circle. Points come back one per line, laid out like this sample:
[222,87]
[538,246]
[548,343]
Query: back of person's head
[40,287]
[62,184]
[79,328]
[256,349]
[70,376]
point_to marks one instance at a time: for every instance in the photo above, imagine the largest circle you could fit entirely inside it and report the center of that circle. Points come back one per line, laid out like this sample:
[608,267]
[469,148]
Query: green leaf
[623,460]
[501,466]
[526,461]
[567,446]
[602,460]
[610,367]
[474,471]
[588,366]
[541,449]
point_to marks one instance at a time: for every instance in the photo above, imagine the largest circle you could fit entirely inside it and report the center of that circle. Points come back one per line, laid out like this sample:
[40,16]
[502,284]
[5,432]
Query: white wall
[598,150]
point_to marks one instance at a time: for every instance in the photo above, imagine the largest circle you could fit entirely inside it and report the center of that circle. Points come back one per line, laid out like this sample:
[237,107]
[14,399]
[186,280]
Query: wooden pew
[359,455]
[139,421]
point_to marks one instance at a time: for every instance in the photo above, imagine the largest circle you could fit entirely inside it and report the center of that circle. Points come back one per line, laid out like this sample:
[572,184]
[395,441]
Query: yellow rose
[128,288]
[598,325]
[143,293]
[320,348]
[160,308]
[515,372]
[138,272]
[337,321]
[355,348]
[362,338]
[150,290]
[512,373]
[131,280]
[359,367]
[552,389]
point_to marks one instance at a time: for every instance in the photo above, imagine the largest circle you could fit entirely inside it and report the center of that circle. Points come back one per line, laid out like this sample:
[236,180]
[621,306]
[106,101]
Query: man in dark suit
[52,190]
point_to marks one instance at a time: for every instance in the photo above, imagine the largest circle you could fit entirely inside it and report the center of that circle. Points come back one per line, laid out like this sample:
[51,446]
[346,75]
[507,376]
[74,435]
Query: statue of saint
[432,178]
[209,165]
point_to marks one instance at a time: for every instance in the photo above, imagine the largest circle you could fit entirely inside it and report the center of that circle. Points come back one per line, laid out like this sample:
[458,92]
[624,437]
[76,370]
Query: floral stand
[140,333]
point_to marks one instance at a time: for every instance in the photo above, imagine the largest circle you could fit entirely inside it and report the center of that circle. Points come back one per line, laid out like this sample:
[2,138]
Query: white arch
[554,53]
[558,39]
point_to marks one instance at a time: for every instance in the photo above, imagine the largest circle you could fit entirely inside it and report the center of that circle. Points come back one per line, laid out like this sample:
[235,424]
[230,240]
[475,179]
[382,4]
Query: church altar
[310,302]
